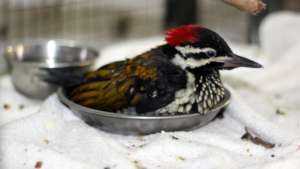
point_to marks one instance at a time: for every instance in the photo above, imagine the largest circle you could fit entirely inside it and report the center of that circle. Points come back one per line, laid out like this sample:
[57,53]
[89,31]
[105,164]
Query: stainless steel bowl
[131,124]
[30,60]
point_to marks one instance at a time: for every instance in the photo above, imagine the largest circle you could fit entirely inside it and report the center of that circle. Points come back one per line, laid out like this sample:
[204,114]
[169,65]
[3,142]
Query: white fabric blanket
[47,135]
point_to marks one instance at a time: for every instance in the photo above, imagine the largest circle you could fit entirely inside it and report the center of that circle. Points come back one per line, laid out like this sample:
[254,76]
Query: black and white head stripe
[187,50]
[184,59]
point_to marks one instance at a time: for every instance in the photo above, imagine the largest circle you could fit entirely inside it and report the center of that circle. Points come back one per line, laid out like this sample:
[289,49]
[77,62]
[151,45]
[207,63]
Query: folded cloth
[55,138]
[279,32]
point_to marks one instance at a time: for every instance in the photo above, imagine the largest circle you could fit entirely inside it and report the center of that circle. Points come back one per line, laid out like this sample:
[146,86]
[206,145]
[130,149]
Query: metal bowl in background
[29,61]
[134,124]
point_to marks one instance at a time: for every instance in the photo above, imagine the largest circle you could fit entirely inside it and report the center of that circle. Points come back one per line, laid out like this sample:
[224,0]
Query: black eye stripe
[203,55]
[197,56]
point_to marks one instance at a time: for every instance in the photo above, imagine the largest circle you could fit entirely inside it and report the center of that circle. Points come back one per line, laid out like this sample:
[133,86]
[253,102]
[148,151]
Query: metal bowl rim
[59,42]
[42,43]
[57,65]
[72,105]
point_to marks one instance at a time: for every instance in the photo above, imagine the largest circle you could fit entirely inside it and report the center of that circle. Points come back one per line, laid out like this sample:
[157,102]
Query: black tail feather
[63,77]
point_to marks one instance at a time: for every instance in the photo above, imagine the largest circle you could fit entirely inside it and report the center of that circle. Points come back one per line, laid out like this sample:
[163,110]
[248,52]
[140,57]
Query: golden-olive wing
[114,86]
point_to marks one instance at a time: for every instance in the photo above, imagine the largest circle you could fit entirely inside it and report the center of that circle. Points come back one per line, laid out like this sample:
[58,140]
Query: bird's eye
[211,53]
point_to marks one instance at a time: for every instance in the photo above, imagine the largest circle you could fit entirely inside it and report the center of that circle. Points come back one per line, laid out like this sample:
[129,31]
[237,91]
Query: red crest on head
[182,34]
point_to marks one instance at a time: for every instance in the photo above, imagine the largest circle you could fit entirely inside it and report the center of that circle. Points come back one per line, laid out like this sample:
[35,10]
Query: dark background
[103,22]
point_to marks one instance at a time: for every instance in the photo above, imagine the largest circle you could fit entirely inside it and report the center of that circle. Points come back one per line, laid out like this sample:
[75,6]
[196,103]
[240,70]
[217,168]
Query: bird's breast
[183,100]
[200,95]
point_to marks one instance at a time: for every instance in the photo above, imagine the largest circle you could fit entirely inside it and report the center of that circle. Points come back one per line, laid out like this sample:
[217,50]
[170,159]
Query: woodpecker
[178,77]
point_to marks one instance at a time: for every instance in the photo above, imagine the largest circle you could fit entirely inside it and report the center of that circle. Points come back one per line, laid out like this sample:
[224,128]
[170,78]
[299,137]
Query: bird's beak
[234,61]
